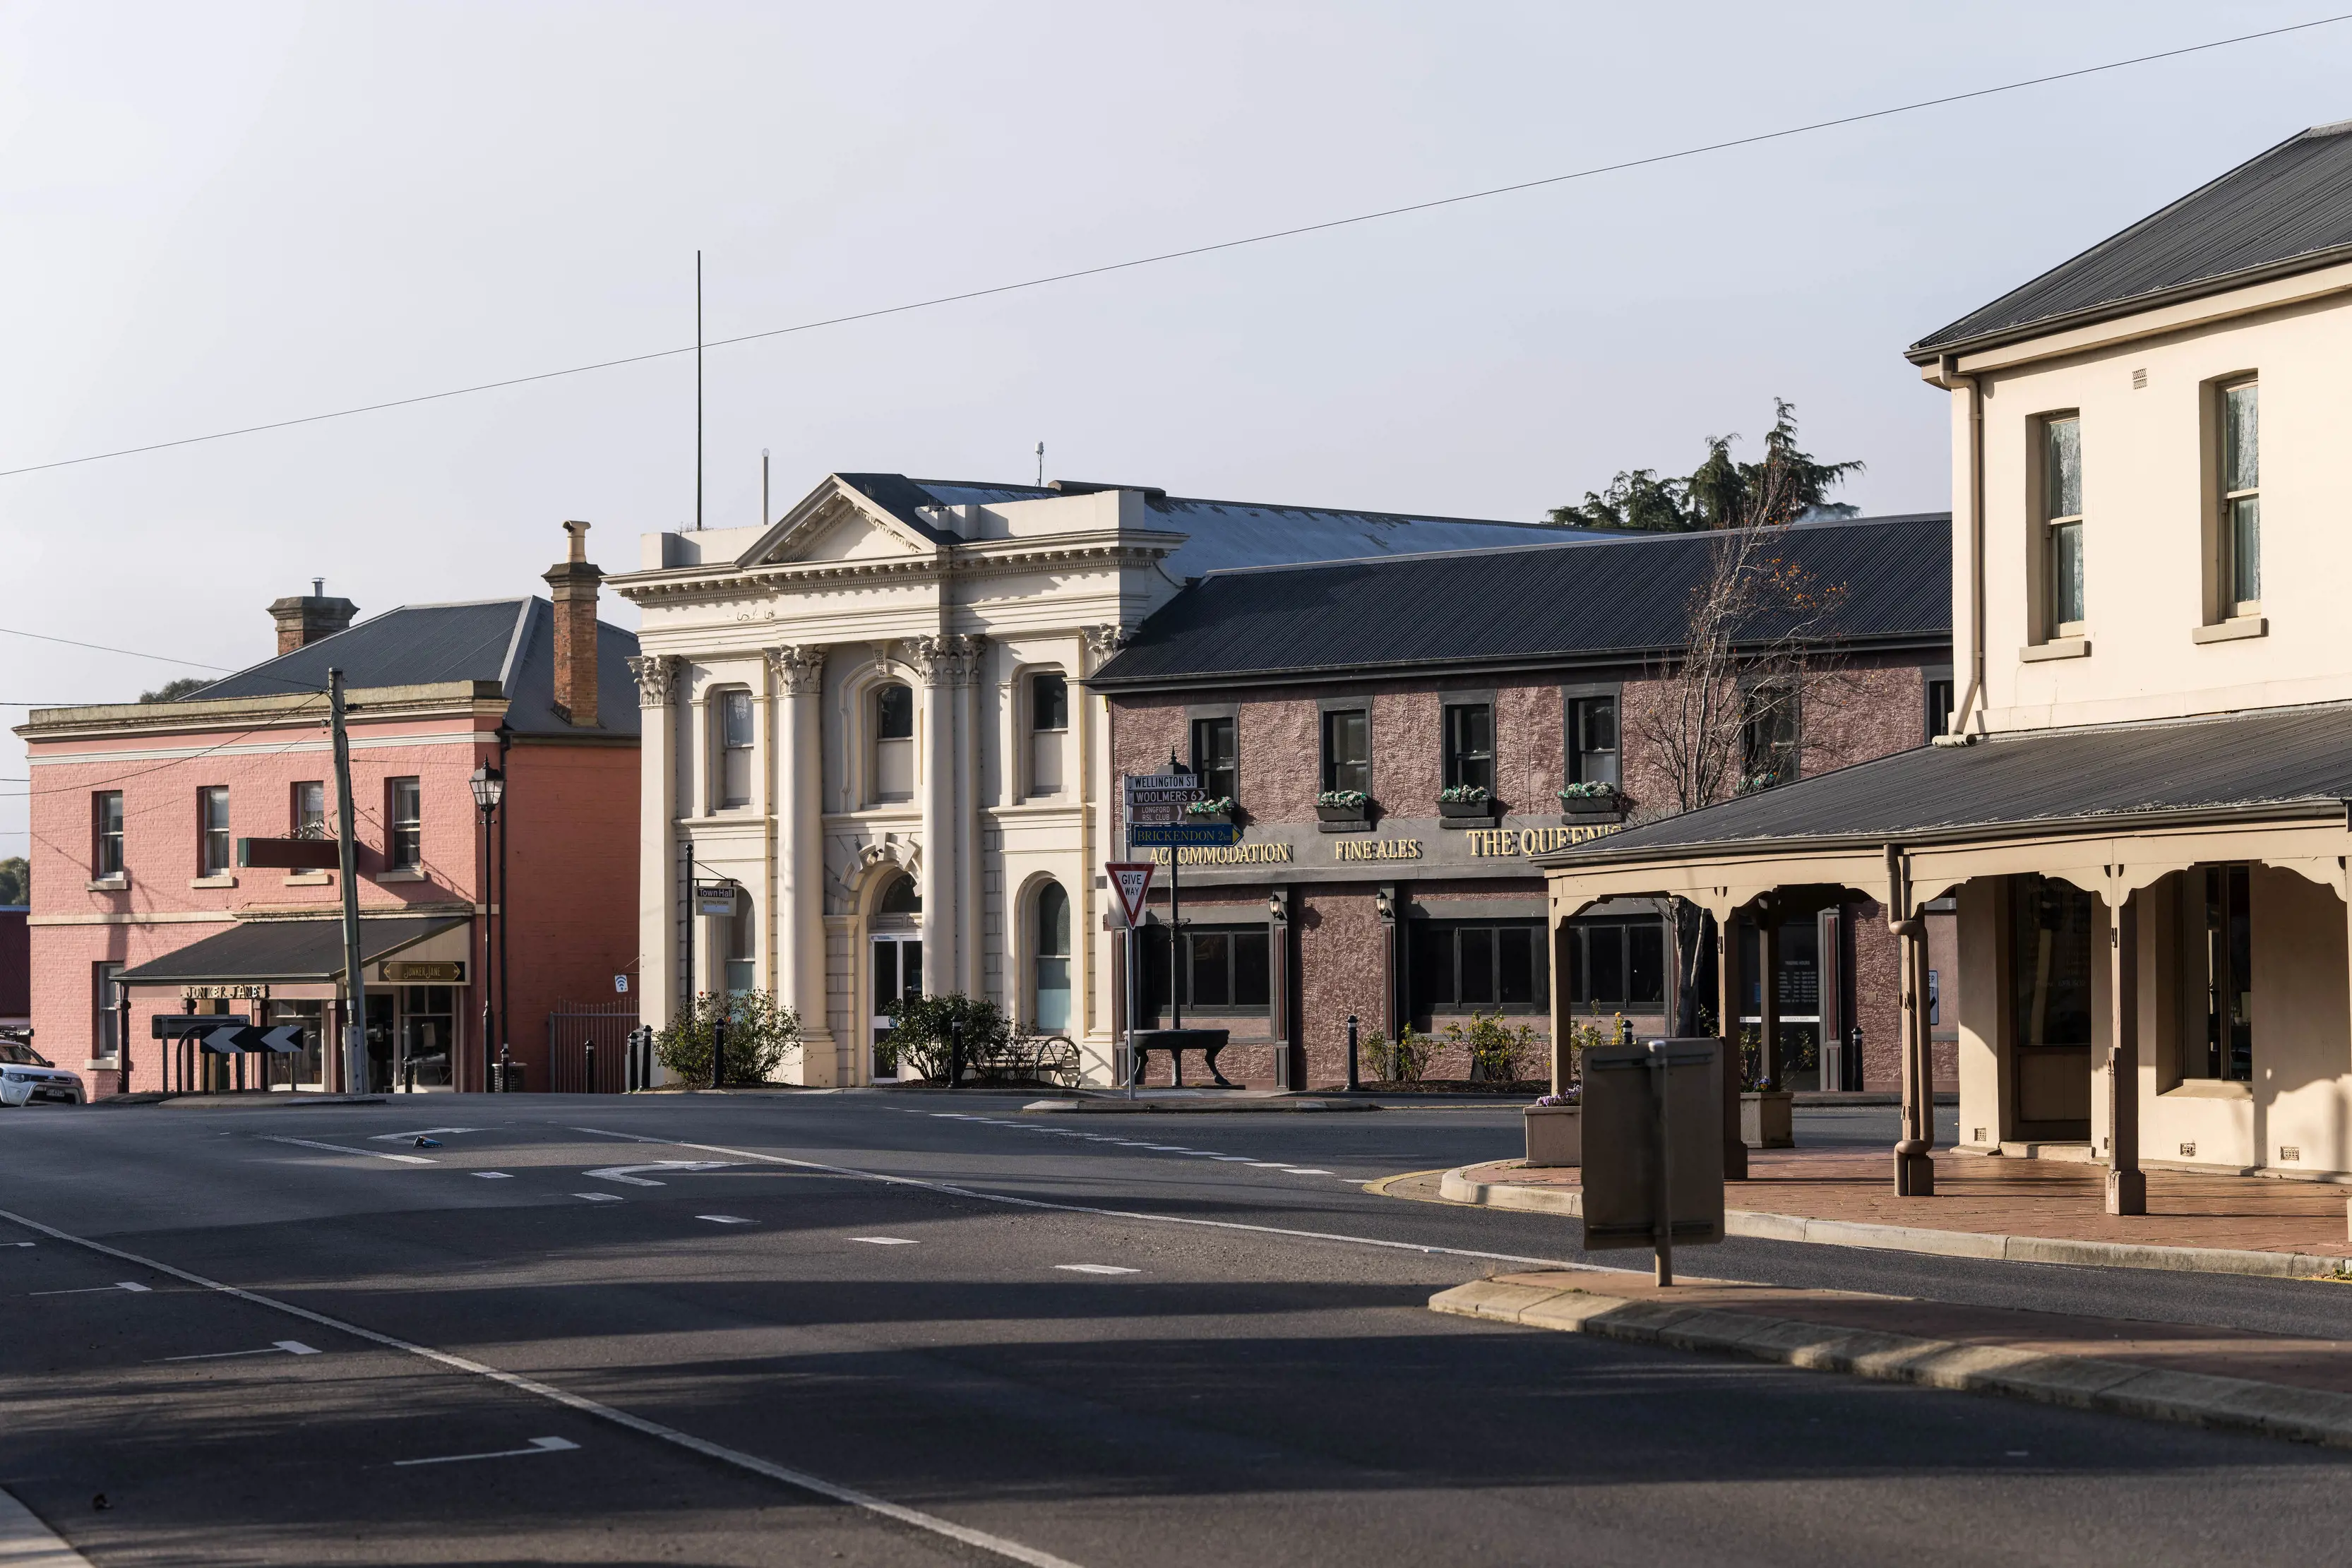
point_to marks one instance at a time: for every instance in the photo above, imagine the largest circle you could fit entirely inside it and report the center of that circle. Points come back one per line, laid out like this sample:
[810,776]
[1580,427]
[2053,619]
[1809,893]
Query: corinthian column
[657,872]
[798,901]
[951,938]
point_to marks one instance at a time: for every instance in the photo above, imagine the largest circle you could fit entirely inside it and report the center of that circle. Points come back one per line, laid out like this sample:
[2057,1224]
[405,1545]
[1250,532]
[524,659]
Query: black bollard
[1355,1083]
[955,1053]
[718,1051]
[590,1049]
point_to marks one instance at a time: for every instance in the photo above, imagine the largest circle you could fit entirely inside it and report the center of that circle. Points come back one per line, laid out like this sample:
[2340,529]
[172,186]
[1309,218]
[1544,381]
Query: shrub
[1402,1061]
[1456,793]
[1344,799]
[1588,792]
[1223,806]
[1499,1052]
[921,1026]
[761,1034]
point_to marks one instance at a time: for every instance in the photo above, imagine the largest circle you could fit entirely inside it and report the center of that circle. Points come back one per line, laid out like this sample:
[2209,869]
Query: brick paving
[2008,1197]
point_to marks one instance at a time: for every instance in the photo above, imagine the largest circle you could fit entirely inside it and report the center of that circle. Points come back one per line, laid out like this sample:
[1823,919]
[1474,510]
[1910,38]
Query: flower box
[1466,809]
[1344,819]
[1554,1134]
[1592,809]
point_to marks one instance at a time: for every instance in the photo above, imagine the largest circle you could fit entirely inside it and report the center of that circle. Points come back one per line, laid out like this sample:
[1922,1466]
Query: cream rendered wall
[2145,476]
[1983,1066]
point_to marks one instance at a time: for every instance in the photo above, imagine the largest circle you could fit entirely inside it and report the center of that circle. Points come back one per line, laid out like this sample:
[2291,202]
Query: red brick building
[1339,704]
[141,905]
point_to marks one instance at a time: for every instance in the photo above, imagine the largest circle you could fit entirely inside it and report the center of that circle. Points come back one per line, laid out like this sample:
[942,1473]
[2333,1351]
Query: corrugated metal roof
[2287,210]
[507,640]
[287,949]
[2031,781]
[1226,534]
[1615,597]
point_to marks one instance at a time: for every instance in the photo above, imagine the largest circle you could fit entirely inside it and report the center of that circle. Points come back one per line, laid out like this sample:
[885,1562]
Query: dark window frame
[1158,948]
[1783,745]
[212,859]
[1462,763]
[1466,946]
[1620,932]
[1219,779]
[404,837]
[1049,717]
[883,729]
[1333,774]
[1576,702]
[106,833]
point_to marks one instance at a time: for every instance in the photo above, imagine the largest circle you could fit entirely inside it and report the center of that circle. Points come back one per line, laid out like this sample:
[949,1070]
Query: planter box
[1593,808]
[1554,1134]
[1767,1118]
[1467,810]
[1344,819]
[1196,817]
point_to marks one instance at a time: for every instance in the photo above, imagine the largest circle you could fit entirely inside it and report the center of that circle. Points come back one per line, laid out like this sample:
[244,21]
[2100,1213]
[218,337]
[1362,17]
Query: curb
[146,1099]
[1188,1107]
[2080,1382]
[1455,1188]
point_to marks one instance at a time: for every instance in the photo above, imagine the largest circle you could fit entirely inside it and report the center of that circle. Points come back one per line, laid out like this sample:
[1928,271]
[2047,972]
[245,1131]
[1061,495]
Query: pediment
[836,523]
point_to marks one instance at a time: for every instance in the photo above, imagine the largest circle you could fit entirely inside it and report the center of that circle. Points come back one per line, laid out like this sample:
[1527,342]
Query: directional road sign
[1186,835]
[237,1037]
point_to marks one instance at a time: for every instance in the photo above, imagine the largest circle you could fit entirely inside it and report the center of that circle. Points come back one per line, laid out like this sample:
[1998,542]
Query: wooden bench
[1176,1042]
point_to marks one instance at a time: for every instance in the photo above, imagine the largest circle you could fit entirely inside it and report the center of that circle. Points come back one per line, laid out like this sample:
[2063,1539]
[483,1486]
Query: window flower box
[1465,801]
[1591,803]
[1343,810]
[1218,810]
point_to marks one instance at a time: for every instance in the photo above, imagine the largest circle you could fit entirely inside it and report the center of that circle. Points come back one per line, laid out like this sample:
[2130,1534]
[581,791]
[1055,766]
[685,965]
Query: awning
[285,950]
[2275,764]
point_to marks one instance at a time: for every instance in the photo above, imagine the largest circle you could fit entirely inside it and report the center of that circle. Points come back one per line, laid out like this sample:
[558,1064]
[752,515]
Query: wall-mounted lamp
[1277,905]
[1385,902]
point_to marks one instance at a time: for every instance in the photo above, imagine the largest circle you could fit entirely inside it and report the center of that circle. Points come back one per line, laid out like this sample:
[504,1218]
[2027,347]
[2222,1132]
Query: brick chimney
[574,582]
[306,618]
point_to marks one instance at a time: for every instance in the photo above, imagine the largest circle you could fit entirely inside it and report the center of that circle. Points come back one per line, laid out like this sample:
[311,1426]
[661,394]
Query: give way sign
[1132,879]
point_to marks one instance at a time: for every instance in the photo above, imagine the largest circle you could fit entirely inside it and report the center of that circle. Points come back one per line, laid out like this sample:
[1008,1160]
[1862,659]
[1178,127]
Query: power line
[103,648]
[1207,249]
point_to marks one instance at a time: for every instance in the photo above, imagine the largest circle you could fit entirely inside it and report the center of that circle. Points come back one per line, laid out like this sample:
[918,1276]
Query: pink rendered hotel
[140,907]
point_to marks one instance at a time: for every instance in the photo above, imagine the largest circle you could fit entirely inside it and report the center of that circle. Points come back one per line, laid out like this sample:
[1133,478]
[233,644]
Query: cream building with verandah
[2141,812]
[869,717]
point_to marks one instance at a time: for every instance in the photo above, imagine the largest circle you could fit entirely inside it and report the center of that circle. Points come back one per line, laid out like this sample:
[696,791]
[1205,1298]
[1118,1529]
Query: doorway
[2050,965]
[895,959]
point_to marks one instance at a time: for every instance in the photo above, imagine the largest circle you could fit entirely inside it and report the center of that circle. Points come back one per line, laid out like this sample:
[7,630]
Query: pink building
[143,903]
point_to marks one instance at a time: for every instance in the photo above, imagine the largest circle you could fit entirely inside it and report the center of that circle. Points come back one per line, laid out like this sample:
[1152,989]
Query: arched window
[1052,957]
[894,743]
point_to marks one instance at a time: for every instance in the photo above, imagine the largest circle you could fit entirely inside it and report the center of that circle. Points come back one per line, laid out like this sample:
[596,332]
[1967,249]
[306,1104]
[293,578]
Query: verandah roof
[285,950]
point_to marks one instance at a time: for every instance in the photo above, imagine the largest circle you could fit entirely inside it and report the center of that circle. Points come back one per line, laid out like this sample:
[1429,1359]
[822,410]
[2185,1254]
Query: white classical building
[870,716]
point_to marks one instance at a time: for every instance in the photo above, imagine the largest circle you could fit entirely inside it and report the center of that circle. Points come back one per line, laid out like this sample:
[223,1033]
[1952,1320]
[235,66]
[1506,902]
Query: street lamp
[489,786]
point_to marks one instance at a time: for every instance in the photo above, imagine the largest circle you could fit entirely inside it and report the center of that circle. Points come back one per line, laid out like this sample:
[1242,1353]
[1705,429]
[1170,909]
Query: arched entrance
[894,939]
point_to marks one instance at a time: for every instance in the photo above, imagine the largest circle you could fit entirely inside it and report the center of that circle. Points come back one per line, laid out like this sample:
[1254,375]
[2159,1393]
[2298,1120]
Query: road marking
[601,1197]
[885,1240]
[724,1218]
[538,1445]
[1301,1170]
[491,1175]
[1268,1165]
[344,1149]
[27,1543]
[283,1347]
[621,1173]
[1095,1268]
[14,1244]
[93,1290]
[420,1132]
[983,1196]
[1243,1159]
[805,1481]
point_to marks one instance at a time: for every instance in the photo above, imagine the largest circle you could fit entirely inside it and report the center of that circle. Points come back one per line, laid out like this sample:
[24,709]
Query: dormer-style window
[2242,499]
[894,743]
[2062,524]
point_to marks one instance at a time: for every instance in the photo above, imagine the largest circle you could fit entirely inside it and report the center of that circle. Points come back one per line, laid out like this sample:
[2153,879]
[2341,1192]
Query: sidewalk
[2268,1384]
[2041,1211]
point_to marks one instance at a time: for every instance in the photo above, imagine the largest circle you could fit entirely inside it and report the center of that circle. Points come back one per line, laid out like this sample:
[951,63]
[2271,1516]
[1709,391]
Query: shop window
[309,1065]
[1772,734]
[2241,500]
[307,809]
[1049,725]
[1470,746]
[1225,969]
[894,743]
[212,830]
[1461,967]
[428,1035]
[405,844]
[1592,752]
[2049,962]
[106,826]
[1052,1004]
[737,730]
[1217,758]
[2217,965]
[1348,750]
[1617,964]
[2061,524]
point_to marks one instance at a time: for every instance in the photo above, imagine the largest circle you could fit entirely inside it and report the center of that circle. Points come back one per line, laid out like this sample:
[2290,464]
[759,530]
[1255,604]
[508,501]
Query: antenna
[763,486]
[1041,466]
[698,391]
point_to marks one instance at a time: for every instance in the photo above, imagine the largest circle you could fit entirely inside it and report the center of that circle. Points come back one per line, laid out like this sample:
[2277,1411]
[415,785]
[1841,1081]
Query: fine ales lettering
[1229,854]
[1488,843]
[1377,850]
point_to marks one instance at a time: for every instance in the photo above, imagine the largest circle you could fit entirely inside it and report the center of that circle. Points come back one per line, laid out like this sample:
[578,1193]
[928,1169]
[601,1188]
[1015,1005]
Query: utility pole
[346,859]
[698,391]
[763,486]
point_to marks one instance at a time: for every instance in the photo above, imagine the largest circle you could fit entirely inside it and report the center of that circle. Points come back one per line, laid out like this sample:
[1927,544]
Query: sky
[234,214]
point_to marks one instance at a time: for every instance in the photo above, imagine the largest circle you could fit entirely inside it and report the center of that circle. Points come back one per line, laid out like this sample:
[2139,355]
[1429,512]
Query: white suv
[26,1076]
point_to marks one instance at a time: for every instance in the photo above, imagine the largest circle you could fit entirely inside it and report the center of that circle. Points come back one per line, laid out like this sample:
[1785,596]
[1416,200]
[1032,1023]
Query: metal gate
[587,1047]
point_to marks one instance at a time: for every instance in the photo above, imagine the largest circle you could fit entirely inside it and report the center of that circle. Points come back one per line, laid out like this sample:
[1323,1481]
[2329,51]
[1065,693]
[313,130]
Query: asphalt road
[896,1329]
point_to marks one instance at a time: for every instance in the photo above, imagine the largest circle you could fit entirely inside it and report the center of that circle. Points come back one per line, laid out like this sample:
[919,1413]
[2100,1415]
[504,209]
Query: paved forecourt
[630,1329]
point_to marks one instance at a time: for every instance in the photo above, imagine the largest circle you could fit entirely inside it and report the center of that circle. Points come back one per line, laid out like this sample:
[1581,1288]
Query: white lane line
[492,1176]
[1095,1268]
[885,1240]
[1303,1170]
[1242,1160]
[983,1196]
[1268,1165]
[14,1244]
[851,1496]
[538,1445]
[622,1173]
[93,1290]
[344,1149]
[27,1543]
[724,1218]
[283,1347]
[601,1197]
[419,1133]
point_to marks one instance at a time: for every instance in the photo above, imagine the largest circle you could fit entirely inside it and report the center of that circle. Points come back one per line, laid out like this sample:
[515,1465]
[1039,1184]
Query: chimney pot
[573,582]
